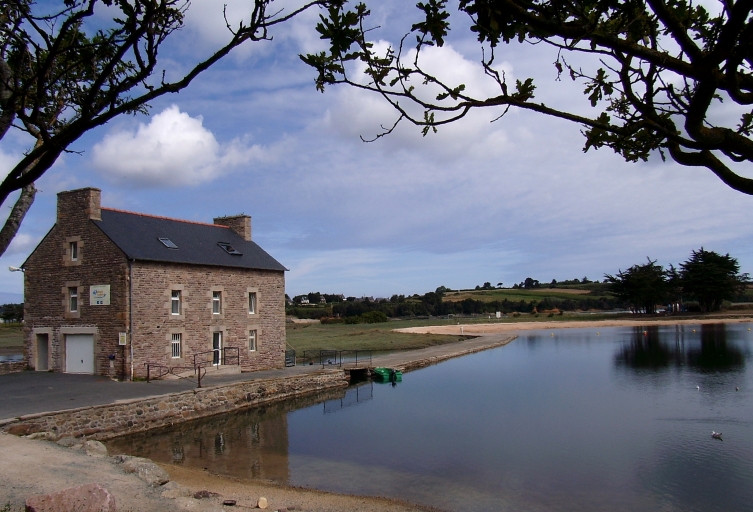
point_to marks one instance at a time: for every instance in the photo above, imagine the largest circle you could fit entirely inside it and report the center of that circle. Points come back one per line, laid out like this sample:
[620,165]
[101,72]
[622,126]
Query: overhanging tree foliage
[660,69]
[711,278]
[60,78]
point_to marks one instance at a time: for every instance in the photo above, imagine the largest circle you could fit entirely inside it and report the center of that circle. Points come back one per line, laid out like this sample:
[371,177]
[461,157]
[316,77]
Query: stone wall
[15,367]
[127,417]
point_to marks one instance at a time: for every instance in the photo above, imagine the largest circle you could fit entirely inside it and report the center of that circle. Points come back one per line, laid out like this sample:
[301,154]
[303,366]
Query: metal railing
[222,356]
[201,361]
[289,358]
[163,370]
[339,358]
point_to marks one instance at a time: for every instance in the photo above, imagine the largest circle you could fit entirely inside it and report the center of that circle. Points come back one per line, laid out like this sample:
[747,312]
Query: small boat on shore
[387,374]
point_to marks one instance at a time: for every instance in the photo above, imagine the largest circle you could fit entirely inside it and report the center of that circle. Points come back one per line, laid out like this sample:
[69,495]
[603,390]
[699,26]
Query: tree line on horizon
[706,277]
[702,283]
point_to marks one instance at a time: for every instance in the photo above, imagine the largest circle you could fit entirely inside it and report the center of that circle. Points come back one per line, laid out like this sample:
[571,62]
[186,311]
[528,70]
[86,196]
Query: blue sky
[476,202]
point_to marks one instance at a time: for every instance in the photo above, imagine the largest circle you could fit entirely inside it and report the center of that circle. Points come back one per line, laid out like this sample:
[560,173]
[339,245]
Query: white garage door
[79,353]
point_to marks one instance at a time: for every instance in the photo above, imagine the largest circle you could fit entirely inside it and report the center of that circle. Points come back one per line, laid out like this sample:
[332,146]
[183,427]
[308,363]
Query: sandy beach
[498,327]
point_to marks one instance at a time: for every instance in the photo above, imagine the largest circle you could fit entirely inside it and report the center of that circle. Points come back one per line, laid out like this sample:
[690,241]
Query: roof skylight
[168,243]
[229,249]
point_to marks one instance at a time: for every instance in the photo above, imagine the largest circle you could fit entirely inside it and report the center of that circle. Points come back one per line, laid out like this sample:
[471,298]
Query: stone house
[107,291]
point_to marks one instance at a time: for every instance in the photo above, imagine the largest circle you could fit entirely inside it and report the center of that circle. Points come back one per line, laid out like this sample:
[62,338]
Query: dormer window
[168,243]
[73,246]
[229,249]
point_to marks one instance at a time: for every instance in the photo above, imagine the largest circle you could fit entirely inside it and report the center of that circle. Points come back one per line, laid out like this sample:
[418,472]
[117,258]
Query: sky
[479,201]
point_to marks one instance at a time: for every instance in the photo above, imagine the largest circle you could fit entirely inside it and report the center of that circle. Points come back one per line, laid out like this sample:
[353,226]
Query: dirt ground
[492,327]
[30,467]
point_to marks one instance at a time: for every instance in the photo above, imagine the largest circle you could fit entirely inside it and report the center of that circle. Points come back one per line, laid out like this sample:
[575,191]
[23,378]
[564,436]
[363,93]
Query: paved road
[35,392]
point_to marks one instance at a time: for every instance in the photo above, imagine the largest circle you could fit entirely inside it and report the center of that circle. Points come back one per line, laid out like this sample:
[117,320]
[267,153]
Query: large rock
[24,429]
[85,498]
[145,469]
[68,442]
[95,449]
[174,490]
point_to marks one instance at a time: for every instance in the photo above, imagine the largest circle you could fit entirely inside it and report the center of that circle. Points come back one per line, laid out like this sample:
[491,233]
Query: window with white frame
[251,303]
[252,340]
[73,246]
[72,299]
[175,345]
[216,303]
[175,302]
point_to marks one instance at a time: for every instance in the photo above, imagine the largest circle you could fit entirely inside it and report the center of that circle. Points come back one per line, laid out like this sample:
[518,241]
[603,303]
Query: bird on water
[716,435]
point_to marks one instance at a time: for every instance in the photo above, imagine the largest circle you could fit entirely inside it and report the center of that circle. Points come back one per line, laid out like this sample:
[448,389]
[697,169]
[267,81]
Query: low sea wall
[417,364]
[138,415]
[14,367]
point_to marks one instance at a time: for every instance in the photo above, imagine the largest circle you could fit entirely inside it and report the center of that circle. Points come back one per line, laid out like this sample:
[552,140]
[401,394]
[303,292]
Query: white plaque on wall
[99,295]
[122,338]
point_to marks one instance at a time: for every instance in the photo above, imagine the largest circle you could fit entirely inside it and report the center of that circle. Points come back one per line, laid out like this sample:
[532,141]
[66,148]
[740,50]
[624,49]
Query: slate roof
[137,235]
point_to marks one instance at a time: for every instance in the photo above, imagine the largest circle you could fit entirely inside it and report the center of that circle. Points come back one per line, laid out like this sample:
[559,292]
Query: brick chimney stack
[241,224]
[81,203]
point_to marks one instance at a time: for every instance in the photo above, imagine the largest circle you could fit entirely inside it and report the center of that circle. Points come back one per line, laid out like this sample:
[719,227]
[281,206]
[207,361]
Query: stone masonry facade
[141,300]
[153,284]
[50,272]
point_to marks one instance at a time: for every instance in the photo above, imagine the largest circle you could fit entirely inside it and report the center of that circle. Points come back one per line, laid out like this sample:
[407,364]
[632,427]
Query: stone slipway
[115,417]
[415,359]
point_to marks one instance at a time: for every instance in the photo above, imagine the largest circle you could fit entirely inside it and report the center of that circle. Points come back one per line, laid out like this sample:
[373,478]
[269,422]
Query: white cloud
[207,21]
[8,161]
[22,243]
[174,149]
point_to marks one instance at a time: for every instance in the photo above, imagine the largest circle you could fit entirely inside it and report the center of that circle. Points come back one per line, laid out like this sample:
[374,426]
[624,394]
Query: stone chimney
[80,204]
[241,224]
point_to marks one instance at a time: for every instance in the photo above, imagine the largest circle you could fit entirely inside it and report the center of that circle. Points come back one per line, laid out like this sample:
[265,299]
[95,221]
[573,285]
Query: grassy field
[364,336]
[11,338]
[526,295]
[381,336]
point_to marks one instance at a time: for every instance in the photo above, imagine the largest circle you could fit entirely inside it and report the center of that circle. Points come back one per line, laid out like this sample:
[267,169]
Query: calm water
[581,420]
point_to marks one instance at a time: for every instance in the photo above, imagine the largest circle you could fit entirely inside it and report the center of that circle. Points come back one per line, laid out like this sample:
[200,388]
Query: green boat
[387,374]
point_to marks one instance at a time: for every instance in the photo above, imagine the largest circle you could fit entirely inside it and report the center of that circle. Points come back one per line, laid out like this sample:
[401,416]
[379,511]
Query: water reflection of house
[248,444]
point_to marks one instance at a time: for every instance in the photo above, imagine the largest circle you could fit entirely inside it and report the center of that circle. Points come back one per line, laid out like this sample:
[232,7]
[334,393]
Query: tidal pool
[588,420]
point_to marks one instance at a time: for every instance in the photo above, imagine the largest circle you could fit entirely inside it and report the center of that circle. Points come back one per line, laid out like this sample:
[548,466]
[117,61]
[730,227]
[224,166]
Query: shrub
[374,317]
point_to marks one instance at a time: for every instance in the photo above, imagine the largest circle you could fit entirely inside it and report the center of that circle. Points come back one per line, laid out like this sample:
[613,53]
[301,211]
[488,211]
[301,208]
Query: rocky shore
[47,475]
